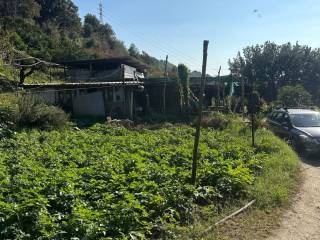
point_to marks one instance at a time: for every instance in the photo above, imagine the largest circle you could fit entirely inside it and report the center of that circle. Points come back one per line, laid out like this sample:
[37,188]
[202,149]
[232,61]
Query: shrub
[33,112]
[294,96]
[6,115]
[30,112]
[5,123]
[218,121]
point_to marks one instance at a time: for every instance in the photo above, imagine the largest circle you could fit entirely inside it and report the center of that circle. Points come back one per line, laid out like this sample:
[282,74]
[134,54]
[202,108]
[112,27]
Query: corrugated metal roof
[80,84]
[107,61]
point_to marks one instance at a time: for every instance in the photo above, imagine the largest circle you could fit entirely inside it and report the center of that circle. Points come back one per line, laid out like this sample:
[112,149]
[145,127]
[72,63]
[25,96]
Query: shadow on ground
[313,160]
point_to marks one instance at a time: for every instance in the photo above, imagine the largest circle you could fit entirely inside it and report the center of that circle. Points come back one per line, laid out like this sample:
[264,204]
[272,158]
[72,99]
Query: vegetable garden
[109,182]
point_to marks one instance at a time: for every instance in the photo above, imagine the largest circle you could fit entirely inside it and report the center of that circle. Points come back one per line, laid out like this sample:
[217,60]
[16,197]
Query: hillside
[53,31]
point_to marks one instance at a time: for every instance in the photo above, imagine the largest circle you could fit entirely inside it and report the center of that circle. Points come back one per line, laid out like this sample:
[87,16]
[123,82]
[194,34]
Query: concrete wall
[89,104]
[109,101]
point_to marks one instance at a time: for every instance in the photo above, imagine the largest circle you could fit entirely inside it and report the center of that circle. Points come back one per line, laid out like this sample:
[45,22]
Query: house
[104,70]
[100,88]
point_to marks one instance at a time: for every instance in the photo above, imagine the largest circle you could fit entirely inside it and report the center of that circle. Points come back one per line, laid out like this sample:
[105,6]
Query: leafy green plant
[112,182]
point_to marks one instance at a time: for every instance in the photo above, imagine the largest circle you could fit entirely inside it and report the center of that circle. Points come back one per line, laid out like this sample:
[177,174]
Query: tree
[63,13]
[134,51]
[183,73]
[273,66]
[27,9]
[25,72]
[294,96]
[92,21]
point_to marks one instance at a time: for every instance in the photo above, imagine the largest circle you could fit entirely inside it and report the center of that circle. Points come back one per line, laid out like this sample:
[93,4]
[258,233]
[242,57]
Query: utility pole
[165,85]
[198,124]
[101,11]
[219,86]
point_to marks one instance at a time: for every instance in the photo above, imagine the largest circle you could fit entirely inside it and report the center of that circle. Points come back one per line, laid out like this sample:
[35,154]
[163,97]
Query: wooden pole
[242,97]
[165,85]
[252,129]
[198,124]
[50,74]
[131,104]
[224,94]
[219,87]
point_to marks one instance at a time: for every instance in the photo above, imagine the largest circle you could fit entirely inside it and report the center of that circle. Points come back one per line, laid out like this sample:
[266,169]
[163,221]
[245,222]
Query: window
[279,117]
[286,118]
[306,119]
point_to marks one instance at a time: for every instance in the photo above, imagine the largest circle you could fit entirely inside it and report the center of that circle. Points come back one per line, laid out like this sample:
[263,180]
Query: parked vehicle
[300,126]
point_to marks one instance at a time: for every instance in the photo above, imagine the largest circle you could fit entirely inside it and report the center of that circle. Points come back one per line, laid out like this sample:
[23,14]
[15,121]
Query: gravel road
[302,221]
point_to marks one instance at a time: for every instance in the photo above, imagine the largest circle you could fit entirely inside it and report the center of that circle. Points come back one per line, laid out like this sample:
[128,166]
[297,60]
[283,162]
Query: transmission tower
[101,11]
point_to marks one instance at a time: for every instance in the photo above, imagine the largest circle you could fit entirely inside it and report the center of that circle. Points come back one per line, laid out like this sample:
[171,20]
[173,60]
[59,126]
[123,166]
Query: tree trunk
[24,74]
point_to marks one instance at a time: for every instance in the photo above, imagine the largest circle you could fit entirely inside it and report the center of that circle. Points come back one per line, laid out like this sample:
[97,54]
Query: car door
[285,124]
[277,127]
[271,121]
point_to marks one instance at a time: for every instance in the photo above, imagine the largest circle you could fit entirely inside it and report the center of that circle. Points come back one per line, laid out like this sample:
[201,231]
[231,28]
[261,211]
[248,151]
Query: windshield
[306,120]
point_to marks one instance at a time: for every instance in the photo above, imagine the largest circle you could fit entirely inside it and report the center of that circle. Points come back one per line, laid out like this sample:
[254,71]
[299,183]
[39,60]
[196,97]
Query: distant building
[215,86]
[104,70]
[104,87]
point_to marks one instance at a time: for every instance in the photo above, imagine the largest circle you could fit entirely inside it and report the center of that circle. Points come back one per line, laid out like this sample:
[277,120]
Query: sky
[178,27]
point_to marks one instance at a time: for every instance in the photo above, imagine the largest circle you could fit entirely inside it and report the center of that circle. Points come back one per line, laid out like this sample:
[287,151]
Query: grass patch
[273,188]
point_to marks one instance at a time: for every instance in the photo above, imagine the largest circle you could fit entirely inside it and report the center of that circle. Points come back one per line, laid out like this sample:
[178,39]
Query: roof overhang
[105,62]
[79,85]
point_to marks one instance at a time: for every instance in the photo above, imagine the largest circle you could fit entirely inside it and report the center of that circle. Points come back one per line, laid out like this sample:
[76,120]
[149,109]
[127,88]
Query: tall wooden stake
[252,129]
[165,85]
[219,86]
[242,97]
[198,125]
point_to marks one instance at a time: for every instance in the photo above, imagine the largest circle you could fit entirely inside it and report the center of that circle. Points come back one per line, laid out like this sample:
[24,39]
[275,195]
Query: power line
[163,46]
[156,44]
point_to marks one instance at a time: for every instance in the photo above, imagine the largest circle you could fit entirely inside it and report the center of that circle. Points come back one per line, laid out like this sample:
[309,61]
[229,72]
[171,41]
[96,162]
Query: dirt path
[302,222]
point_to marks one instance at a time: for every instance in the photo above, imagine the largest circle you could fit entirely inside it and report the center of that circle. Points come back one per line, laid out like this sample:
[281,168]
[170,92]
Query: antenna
[101,11]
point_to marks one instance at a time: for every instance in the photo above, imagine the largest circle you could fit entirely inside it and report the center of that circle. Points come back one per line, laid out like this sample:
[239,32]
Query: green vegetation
[27,111]
[110,182]
[53,31]
[183,73]
[294,96]
[273,66]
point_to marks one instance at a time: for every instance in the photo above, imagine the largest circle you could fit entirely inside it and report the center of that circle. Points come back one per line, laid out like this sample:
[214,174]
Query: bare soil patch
[302,221]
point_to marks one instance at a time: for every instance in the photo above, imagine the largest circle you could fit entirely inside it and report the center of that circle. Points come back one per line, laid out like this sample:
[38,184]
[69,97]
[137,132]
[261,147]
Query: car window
[286,118]
[270,116]
[273,115]
[279,117]
[306,120]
